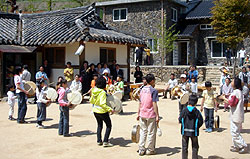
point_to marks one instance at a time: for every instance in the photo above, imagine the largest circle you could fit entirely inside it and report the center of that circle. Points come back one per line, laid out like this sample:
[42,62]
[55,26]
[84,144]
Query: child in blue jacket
[191,120]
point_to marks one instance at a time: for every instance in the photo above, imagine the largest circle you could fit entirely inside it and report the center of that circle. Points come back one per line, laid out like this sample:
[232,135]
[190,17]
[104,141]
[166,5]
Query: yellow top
[147,51]
[69,74]
[209,99]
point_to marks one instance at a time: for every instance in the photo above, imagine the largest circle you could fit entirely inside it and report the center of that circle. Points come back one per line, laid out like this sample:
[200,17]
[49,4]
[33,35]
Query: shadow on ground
[128,113]
[220,129]
[54,126]
[245,131]
[120,141]
[211,157]
[83,133]
[35,121]
[168,150]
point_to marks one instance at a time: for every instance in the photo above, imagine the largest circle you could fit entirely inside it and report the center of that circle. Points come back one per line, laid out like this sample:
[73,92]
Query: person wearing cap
[245,76]
[106,77]
[183,87]
[223,78]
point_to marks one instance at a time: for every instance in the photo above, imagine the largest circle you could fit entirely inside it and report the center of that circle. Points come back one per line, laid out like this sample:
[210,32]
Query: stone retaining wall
[178,70]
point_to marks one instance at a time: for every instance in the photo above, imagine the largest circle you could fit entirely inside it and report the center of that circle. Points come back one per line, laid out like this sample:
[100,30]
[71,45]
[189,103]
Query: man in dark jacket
[228,54]
[191,120]
[117,72]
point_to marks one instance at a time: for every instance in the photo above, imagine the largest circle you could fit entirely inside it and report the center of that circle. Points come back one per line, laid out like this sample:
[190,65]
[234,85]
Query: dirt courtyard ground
[27,142]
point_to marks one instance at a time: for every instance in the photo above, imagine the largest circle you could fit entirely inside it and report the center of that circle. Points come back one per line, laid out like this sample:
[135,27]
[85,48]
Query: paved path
[27,142]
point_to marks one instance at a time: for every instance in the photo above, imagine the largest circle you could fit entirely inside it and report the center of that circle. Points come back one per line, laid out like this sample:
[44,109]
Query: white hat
[105,71]
[183,76]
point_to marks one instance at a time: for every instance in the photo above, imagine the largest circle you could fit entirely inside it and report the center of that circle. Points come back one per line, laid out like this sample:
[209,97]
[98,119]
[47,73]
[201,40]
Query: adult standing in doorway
[41,75]
[147,50]
[85,78]
[21,95]
[26,76]
[112,69]
[47,68]
[242,54]
[228,54]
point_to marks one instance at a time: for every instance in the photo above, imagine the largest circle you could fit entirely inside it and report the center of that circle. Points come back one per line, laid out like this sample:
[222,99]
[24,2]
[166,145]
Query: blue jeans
[64,121]
[22,106]
[209,118]
[242,61]
[41,112]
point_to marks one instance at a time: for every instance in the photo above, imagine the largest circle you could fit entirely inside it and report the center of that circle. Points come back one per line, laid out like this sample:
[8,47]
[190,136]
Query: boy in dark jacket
[191,120]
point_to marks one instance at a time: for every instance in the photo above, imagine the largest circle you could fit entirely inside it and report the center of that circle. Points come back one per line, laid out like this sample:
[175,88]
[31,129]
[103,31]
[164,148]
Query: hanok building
[57,36]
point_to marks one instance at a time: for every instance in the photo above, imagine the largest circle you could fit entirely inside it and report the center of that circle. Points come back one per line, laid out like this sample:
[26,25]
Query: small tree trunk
[234,65]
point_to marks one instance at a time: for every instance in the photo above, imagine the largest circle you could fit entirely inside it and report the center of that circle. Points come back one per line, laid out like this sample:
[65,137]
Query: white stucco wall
[92,55]
[55,73]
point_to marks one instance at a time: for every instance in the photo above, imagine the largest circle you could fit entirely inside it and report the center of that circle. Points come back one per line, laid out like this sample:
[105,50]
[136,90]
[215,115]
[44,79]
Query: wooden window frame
[174,18]
[107,48]
[119,9]
[54,63]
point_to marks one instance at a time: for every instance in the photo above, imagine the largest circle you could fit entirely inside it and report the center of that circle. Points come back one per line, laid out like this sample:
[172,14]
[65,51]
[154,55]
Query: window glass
[216,49]
[101,13]
[174,15]
[123,14]
[103,55]
[107,55]
[116,15]
[55,56]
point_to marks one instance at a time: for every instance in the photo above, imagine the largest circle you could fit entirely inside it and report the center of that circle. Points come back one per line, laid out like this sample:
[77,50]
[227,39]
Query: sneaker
[206,130]
[164,97]
[22,122]
[210,130]
[99,143]
[234,149]
[11,118]
[40,126]
[107,144]
[141,152]
[243,150]
[150,152]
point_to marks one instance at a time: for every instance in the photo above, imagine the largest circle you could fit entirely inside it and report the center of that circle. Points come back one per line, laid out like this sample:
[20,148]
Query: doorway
[183,53]
[11,60]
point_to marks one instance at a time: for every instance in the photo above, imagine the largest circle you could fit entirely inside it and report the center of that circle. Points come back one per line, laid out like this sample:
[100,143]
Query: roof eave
[198,17]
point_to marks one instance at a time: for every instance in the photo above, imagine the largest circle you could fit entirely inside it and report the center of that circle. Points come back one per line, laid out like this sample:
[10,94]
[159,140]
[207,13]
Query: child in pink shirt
[148,116]
[64,109]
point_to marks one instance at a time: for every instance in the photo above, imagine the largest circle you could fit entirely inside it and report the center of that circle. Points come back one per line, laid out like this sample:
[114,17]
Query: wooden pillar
[128,61]
[82,56]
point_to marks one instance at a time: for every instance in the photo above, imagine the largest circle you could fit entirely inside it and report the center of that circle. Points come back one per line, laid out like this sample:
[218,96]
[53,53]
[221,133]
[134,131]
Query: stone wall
[206,73]
[142,20]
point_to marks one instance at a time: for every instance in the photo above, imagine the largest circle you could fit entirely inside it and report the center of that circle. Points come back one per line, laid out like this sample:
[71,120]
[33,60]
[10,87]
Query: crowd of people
[95,80]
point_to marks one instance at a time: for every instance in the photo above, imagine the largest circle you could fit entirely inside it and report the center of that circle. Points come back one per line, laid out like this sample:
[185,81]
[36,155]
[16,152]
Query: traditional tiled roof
[8,28]
[188,30]
[117,2]
[201,11]
[59,27]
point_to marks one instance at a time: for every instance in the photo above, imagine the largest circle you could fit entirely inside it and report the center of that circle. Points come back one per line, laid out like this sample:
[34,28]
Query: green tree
[164,41]
[231,21]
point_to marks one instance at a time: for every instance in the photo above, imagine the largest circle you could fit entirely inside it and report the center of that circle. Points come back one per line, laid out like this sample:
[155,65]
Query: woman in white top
[76,85]
[21,95]
[236,102]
